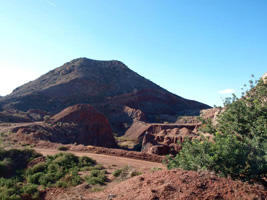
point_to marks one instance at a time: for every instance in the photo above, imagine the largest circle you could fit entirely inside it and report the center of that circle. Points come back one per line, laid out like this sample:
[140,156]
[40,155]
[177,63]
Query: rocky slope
[109,86]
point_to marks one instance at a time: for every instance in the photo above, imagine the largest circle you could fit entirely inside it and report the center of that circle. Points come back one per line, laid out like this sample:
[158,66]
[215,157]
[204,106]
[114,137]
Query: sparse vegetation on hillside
[126,172]
[239,149]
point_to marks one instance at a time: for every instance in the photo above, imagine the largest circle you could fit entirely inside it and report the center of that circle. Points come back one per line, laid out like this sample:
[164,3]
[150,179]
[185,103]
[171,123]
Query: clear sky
[193,48]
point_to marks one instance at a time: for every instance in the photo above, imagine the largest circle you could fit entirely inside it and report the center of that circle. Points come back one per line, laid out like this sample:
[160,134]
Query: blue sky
[192,48]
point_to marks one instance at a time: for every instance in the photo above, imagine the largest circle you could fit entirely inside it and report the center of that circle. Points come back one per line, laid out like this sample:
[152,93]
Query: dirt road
[107,160]
[4,127]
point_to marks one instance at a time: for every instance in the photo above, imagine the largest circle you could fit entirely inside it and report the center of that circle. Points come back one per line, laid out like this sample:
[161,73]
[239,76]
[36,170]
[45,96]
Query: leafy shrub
[63,148]
[96,177]
[35,178]
[32,190]
[86,161]
[117,172]
[53,168]
[59,168]
[14,160]
[61,184]
[10,188]
[36,168]
[239,149]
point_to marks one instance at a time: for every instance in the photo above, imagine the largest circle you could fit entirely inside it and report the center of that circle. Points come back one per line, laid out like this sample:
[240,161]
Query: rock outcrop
[80,124]
[161,139]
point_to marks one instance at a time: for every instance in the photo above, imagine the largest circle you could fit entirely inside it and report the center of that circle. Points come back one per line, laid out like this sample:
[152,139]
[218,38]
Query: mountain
[110,86]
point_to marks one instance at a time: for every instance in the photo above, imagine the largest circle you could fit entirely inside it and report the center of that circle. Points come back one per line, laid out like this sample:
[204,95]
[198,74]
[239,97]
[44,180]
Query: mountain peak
[99,83]
[83,61]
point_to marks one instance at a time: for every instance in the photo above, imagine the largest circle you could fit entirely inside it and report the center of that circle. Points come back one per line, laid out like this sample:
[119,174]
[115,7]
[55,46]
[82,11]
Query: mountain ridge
[107,85]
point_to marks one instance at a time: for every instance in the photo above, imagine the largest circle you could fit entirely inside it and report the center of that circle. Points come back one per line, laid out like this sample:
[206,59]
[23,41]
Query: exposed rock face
[160,139]
[106,85]
[80,124]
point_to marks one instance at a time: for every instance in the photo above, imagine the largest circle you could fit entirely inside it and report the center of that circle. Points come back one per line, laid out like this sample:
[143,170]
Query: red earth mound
[80,124]
[174,184]
[95,129]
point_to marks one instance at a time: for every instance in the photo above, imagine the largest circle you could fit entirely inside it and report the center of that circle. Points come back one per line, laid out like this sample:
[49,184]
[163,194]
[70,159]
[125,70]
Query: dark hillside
[107,85]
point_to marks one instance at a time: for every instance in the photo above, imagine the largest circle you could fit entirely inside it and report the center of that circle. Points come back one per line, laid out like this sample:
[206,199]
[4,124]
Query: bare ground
[107,160]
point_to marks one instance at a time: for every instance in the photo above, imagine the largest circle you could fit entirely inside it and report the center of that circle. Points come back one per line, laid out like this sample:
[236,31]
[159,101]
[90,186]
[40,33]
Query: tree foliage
[239,148]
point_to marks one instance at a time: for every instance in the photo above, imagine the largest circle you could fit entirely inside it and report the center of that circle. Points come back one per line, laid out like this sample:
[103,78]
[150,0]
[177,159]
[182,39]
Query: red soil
[174,184]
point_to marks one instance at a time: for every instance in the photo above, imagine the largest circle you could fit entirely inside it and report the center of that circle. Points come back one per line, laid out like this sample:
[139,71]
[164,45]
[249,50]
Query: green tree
[239,149]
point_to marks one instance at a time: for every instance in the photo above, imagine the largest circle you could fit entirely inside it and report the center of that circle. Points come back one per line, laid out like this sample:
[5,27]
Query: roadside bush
[239,149]
[63,148]
[86,161]
[59,168]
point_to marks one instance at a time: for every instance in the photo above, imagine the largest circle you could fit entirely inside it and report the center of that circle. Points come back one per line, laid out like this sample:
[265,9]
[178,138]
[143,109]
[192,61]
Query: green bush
[53,168]
[32,190]
[96,177]
[15,160]
[35,178]
[239,149]
[60,170]
[61,184]
[36,168]
[9,189]
[86,161]
[63,148]
[117,172]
